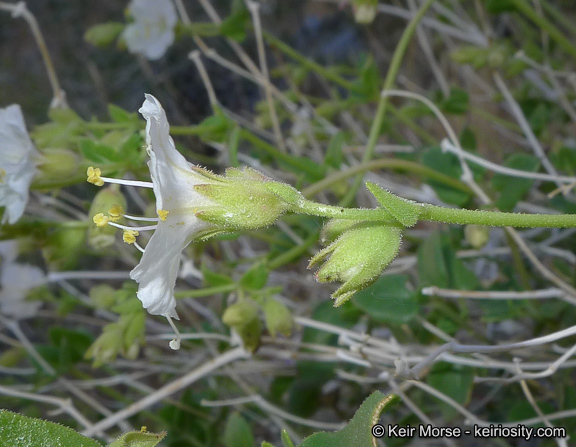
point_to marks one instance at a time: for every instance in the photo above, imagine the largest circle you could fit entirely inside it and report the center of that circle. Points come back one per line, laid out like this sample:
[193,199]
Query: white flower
[173,180]
[152,31]
[177,203]
[18,159]
[191,203]
[16,281]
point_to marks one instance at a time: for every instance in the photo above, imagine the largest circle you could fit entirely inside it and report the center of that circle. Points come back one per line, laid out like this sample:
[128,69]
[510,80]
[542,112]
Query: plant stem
[208,291]
[388,83]
[389,163]
[289,51]
[495,218]
[433,213]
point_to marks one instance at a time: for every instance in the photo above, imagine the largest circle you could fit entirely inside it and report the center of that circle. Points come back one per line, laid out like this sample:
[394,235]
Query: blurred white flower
[152,31]
[18,159]
[16,280]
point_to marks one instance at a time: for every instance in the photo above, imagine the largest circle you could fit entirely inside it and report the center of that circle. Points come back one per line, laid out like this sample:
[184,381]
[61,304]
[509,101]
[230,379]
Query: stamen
[129,236]
[115,212]
[163,214]
[124,227]
[144,219]
[94,176]
[175,343]
[101,220]
[138,246]
[127,182]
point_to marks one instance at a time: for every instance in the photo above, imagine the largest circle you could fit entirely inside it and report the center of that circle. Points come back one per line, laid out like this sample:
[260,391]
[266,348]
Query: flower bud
[56,164]
[278,318]
[365,10]
[476,235]
[357,257]
[102,236]
[240,313]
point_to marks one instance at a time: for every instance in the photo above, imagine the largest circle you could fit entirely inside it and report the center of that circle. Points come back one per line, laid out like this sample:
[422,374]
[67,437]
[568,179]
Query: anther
[129,236]
[94,176]
[162,214]
[101,220]
[115,212]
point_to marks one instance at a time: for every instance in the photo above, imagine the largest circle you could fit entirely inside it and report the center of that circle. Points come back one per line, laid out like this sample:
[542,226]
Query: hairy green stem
[495,218]
[435,213]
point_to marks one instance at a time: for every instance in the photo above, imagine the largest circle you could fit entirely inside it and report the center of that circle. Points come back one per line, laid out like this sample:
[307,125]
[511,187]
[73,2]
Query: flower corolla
[18,160]
[152,31]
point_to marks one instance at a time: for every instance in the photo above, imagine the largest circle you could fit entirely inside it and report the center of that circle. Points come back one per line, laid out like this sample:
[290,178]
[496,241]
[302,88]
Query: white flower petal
[172,178]
[18,159]
[17,280]
[157,271]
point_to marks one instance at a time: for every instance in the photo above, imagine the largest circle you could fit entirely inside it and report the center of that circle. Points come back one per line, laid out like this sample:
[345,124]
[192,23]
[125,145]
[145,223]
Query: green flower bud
[334,228]
[241,313]
[57,164]
[102,236]
[357,257]
[103,34]
[476,235]
[243,317]
[250,334]
[278,318]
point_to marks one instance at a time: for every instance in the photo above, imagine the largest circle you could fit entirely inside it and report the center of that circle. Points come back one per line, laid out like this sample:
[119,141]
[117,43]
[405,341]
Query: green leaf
[448,164]
[215,127]
[333,156]
[499,6]
[439,266]
[71,345]
[388,300]
[513,189]
[286,439]
[368,85]
[234,26]
[21,431]
[453,381]
[358,432]
[119,115]
[103,34]
[99,153]
[237,432]
[404,211]
[255,278]
[456,102]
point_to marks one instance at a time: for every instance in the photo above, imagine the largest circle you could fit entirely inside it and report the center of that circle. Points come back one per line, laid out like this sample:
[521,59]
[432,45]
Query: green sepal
[404,211]
[246,206]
